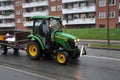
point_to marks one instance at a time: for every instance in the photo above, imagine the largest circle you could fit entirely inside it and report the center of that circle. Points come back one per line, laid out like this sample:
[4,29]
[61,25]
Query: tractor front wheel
[62,57]
[34,51]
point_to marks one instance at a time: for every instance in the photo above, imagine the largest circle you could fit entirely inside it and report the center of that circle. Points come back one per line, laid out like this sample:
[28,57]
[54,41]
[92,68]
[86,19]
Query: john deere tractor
[47,39]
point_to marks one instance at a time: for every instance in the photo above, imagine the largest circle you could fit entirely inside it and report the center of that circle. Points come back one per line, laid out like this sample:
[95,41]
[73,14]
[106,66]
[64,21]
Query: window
[91,15]
[59,7]
[53,8]
[112,2]
[91,4]
[83,16]
[19,20]
[76,5]
[76,16]
[102,3]
[101,26]
[18,12]
[82,4]
[17,3]
[102,15]
[52,0]
[69,17]
[112,14]
[69,5]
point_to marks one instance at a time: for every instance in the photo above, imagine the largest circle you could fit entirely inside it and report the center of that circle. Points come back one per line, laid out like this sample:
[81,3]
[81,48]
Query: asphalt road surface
[98,64]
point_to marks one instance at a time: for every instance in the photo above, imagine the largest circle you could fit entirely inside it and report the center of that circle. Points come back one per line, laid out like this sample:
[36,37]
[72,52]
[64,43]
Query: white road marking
[107,58]
[26,72]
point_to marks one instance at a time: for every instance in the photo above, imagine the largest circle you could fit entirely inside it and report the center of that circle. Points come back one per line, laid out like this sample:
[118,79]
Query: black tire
[16,51]
[34,51]
[77,54]
[3,49]
[62,57]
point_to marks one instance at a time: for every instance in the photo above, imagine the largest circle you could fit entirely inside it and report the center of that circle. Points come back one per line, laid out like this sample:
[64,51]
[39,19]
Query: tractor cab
[45,28]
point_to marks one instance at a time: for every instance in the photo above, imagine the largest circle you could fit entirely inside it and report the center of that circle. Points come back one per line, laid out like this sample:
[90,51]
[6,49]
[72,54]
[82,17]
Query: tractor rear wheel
[62,57]
[34,51]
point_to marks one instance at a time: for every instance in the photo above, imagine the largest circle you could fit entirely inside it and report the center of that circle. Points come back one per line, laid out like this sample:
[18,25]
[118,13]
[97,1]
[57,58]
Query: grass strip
[93,33]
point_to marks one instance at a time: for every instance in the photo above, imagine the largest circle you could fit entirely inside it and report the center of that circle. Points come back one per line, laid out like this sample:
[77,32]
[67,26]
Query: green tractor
[47,39]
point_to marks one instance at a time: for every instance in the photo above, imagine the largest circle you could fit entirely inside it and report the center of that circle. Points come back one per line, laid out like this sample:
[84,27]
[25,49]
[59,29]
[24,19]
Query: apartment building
[7,17]
[79,13]
[15,14]
[107,15]
[91,13]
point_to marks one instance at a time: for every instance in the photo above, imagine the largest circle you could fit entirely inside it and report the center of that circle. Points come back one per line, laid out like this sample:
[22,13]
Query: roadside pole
[108,30]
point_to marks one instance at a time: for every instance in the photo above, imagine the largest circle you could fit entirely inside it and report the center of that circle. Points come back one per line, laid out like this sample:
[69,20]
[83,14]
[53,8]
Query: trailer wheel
[34,51]
[3,49]
[62,57]
[16,51]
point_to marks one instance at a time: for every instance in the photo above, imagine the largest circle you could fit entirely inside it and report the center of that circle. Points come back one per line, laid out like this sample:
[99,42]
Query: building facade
[7,17]
[15,14]
[79,13]
[107,15]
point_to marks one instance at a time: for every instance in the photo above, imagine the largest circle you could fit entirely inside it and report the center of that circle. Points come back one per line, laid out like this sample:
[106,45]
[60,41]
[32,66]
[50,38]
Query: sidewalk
[88,42]
[99,41]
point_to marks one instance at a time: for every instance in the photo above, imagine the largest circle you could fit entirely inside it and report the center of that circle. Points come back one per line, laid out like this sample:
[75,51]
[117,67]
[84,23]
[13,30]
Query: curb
[99,41]
[103,48]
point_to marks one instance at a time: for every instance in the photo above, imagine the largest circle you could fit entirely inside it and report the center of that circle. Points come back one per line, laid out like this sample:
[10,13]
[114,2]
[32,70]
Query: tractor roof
[44,17]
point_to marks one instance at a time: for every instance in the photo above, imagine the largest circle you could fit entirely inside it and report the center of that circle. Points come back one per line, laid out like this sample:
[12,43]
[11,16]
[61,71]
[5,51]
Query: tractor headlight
[76,40]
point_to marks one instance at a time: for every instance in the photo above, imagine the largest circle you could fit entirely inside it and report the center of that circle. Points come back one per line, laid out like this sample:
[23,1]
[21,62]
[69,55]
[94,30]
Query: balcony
[10,7]
[68,1]
[119,5]
[7,16]
[79,10]
[34,4]
[7,24]
[44,13]
[80,21]
[29,23]
[6,0]
[119,20]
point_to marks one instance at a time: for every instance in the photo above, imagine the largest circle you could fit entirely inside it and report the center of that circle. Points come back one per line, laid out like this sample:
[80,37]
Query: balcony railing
[10,7]
[35,13]
[7,24]
[79,21]
[34,4]
[28,23]
[68,1]
[6,0]
[79,10]
[7,16]
[119,20]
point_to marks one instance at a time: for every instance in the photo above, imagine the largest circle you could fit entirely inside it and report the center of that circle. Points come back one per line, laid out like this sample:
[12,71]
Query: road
[97,65]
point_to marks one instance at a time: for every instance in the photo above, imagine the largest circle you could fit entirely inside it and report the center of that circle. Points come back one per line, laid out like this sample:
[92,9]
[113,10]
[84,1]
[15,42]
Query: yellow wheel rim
[61,58]
[33,50]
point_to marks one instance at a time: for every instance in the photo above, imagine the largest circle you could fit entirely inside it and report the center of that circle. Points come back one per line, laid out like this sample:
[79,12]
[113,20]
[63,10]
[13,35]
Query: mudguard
[38,39]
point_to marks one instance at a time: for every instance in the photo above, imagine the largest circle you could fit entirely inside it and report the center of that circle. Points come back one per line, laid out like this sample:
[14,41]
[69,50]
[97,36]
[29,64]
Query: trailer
[13,39]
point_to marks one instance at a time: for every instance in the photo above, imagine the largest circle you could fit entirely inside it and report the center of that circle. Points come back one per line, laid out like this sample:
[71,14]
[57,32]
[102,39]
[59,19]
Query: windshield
[55,24]
[38,23]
